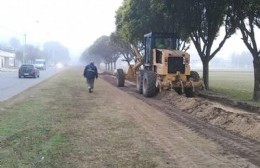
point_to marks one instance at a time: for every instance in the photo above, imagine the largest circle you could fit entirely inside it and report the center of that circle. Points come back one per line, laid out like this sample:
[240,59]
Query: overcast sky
[74,23]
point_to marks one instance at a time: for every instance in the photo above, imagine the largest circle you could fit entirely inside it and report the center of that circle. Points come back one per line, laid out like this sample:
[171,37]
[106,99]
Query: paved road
[11,85]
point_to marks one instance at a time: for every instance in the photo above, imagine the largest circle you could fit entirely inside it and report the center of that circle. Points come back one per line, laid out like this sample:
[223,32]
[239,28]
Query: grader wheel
[190,92]
[149,84]
[178,90]
[120,75]
[139,81]
[195,75]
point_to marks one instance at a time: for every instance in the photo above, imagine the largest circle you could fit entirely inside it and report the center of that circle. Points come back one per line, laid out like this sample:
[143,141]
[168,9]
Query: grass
[237,85]
[58,124]
[28,133]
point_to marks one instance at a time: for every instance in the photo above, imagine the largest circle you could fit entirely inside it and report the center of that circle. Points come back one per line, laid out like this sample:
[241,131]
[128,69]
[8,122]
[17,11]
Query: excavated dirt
[223,115]
[233,119]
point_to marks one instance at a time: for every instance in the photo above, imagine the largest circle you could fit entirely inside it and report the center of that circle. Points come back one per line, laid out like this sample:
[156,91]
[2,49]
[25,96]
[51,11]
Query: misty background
[62,30]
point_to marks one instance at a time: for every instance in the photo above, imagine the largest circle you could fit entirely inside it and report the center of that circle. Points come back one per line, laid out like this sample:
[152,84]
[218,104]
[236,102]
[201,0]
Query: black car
[28,70]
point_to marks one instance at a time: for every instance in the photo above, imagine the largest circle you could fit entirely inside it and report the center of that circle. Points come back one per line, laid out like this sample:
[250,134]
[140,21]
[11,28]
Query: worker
[90,73]
[160,44]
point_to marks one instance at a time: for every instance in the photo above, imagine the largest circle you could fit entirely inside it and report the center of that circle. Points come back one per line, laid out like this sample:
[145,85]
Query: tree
[19,55]
[246,17]
[32,53]
[202,20]
[121,47]
[242,60]
[15,43]
[87,57]
[132,20]
[102,49]
[136,18]
[166,17]
[56,52]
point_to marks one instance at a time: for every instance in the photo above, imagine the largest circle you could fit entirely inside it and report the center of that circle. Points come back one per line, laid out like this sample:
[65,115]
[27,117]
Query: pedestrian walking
[90,73]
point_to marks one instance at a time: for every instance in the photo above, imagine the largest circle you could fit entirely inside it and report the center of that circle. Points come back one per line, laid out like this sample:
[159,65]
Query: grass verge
[30,131]
[58,124]
[237,85]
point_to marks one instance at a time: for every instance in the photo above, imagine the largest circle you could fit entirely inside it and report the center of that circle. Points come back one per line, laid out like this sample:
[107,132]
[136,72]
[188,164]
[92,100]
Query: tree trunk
[111,66]
[206,74]
[256,95]
[106,66]
[115,65]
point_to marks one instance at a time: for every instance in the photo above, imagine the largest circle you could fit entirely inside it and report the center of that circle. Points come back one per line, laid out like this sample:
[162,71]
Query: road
[11,85]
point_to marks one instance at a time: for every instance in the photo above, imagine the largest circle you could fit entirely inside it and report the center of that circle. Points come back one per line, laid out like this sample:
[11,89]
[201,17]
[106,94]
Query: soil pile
[233,119]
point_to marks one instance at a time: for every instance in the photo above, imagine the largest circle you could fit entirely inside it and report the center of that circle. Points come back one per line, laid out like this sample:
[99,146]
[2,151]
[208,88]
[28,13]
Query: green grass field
[238,85]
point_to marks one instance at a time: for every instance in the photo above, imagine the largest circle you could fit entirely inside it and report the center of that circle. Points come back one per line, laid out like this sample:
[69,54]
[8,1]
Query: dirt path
[231,142]
[182,146]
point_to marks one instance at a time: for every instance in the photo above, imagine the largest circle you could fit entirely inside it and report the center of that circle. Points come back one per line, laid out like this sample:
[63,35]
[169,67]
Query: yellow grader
[164,67]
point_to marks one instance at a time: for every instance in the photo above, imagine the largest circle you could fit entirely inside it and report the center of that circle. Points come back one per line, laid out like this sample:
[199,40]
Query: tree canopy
[121,47]
[101,50]
[138,17]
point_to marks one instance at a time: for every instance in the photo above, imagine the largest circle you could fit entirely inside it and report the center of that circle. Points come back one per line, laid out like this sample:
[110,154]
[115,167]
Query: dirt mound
[236,120]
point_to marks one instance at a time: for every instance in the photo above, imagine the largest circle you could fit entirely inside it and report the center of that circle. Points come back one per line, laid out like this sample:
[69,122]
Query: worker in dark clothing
[90,73]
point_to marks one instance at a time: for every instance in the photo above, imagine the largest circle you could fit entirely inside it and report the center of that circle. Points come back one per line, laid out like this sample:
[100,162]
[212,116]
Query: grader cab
[164,67]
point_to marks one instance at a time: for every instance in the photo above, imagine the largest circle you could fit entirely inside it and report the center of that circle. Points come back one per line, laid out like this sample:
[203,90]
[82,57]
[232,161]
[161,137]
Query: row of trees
[53,52]
[108,49]
[193,21]
[236,61]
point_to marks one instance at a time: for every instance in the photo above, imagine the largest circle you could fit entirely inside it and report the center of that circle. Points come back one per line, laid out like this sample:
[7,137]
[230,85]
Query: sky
[233,46]
[76,24]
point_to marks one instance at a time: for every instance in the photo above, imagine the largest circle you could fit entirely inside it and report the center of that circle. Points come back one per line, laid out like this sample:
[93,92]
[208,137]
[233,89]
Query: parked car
[28,70]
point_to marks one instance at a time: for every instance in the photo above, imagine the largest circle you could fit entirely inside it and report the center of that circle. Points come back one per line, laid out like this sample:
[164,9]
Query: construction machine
[164,67]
